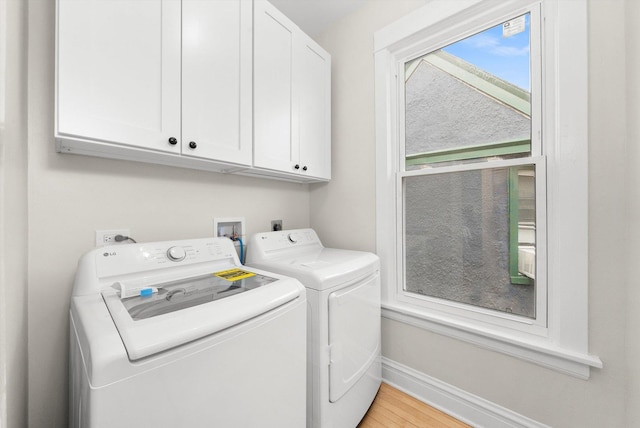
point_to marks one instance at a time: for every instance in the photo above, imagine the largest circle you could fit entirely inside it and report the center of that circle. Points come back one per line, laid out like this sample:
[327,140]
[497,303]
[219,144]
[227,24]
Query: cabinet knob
[304,168]
[296,167]
[173,141]
[192,144]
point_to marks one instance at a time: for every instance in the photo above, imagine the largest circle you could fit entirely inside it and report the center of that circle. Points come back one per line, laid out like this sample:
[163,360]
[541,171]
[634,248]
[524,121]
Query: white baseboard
[460,404]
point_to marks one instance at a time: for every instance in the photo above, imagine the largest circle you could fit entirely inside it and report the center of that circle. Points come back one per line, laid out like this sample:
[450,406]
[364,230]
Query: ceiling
[315,16]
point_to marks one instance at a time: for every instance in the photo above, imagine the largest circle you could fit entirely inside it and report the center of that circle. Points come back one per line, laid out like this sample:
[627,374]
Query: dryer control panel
[283,240]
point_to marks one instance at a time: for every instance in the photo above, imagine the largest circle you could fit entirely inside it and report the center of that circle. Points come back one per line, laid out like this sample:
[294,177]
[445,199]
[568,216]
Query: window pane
[470,99]
[470,237]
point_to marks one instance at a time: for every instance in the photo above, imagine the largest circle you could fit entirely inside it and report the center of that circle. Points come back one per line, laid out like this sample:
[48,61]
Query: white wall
[633,214]
[13,214]
[71,196]
[343,210]
[343,213]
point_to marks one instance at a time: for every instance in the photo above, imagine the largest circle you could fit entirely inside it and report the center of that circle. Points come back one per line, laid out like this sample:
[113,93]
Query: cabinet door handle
[173,141]
[192,144]
[296,167]
[304,168]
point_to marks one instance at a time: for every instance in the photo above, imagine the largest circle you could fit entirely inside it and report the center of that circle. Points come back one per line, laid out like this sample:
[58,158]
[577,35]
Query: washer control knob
[176,254]
[293,238]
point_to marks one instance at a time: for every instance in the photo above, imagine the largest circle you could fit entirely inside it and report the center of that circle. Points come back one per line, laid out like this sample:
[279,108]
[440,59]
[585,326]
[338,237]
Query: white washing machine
[343,294]
[179,334]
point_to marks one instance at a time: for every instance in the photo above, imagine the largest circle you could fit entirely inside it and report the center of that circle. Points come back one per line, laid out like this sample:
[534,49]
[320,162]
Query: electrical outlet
[276,225]
[108,237]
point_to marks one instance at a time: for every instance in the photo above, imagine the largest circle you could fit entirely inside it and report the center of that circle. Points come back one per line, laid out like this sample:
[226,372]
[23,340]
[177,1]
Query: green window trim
[514,196]
[470,152]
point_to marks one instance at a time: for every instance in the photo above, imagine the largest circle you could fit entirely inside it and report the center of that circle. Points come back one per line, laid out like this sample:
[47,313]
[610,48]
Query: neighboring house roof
[453,106]
[478,78]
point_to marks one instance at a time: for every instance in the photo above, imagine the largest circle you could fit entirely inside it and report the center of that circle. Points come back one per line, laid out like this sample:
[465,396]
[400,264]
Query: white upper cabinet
[313,83]
[140,77]
[292,99]
[222,85]
[216,80]
[118,77]
[273,88]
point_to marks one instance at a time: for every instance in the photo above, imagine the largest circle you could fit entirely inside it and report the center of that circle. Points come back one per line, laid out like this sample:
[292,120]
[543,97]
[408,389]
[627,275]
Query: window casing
[556,334]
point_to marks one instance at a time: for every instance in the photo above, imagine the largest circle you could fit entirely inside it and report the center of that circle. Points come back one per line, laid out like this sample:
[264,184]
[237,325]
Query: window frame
[558,338]
[410,55]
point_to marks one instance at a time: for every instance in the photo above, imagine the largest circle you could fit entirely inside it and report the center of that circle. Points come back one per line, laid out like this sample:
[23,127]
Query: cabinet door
[313,97]
[273,89]
[118,69]
[216,80]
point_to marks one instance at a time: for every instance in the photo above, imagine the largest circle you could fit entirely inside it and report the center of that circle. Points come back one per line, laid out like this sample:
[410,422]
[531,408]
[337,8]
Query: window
[464,231]
[481,213]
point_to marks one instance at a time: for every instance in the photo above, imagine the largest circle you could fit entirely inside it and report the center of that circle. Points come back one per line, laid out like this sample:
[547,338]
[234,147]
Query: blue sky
[505,57]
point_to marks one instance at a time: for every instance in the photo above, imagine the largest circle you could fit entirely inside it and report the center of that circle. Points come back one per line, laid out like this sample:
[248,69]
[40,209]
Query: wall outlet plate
[276,225]
[108,237]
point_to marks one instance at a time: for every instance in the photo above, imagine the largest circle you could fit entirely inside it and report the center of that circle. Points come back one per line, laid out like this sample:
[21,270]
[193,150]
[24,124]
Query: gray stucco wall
[457,240]
[443,112]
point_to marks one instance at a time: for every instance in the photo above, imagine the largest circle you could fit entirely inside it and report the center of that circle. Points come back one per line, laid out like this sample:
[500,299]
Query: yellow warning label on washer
[234,274]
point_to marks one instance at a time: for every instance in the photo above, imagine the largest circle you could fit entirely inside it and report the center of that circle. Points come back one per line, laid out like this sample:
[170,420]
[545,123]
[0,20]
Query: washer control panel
[129,259]
[176,254]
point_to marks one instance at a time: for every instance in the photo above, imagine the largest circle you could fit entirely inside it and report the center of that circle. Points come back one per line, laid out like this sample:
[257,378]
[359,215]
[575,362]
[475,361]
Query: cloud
[510,51]
[494,45]
[481,41]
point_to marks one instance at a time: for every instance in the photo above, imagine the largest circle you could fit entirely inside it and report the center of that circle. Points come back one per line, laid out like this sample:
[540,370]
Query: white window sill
[539,350]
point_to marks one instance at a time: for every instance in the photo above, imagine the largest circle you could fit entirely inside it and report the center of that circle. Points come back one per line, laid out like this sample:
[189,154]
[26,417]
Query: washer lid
[324,268]
[188,309]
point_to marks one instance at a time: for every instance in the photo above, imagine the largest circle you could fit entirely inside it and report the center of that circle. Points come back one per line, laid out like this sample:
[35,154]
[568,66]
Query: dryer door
[354,333]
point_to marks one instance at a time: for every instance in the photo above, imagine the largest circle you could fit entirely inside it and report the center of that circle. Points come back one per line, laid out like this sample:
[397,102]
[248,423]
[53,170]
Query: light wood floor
[395,409]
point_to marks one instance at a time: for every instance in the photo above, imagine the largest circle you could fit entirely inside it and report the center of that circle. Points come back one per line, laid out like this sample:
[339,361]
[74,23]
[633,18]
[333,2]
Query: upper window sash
[408,58]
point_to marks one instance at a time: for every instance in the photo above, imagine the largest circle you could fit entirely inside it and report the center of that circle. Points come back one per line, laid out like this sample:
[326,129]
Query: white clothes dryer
[179,334]
[343,294]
